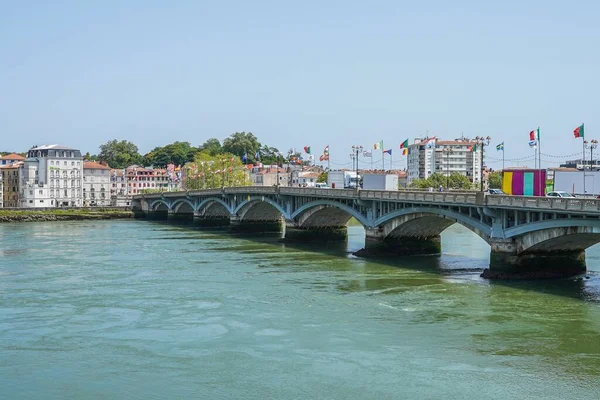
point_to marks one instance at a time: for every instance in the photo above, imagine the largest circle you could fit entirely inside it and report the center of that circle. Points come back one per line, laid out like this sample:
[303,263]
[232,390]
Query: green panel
[528,184]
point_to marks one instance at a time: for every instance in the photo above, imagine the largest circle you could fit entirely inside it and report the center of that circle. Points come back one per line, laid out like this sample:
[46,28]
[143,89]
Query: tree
[89,157]
[177,153]
[269,155]
[119,154]
[211,172]
[240,143]
[212,146]
[495,180]
[322,177]
[454,181]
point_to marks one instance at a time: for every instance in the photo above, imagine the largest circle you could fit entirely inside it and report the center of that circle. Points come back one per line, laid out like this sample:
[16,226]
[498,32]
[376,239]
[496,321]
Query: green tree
[454,181]
[240,143]
[212,146]
[322,177]
[177,153]
[495,180]
[214,171]
[119,154]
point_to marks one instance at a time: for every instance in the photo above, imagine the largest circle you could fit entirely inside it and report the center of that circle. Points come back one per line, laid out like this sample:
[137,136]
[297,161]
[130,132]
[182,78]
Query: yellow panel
[507,182]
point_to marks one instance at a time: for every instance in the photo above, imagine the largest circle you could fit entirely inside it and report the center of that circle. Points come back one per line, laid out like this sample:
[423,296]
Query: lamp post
[592,144]
[447,151]
[482,141]
[356,150]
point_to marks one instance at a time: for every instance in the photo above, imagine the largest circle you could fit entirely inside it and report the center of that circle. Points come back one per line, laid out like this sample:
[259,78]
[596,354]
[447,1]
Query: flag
[245,157]
[532,143]
[307,149]
[500,147]
[405,151]
[430,143]
[535,134]
[378,145]
[578,132]
[326,151]
[257,155]
[473,148]
[389,151]
[367,154]
[404,144]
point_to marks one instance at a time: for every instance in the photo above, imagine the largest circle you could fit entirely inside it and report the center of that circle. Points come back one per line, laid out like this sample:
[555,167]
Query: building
[10,184]
[431,155]
[135,179]
[1,191]
[51,176]
[11,158]
[269,176]
[96,184]
[578,164]
[305,177]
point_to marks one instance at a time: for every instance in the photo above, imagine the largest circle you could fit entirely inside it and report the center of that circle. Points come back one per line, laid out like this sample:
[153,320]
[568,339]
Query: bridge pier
[507,263]
[295,233]
[206,221]
[239,225]
[379,245]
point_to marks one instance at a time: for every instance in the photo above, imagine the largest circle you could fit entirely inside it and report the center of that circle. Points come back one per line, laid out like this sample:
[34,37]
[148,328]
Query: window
[51,162]
[41,201]
[41,192]
[65,164]
[51,192]
[72,163]
[66,193]
[31,192]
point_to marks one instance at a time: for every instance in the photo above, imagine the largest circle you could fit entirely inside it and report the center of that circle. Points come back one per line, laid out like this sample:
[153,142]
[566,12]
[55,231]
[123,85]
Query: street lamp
[355,151]
[592,144]
[447,151]
[482,141]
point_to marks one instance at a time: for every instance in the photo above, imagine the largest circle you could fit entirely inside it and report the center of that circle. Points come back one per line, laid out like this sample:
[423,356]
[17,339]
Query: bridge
[529,237]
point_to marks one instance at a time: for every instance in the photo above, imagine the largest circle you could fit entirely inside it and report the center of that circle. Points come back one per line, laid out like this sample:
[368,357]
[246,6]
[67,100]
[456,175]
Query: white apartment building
[51,176]
[429,156]
[96,184]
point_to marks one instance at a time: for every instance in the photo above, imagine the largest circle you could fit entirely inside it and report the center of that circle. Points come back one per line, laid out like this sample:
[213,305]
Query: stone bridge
[528,236]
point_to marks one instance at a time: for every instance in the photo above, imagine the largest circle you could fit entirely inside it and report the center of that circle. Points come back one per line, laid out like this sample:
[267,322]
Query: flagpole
[502,156]
[583,148]
[382,157]
[540,159]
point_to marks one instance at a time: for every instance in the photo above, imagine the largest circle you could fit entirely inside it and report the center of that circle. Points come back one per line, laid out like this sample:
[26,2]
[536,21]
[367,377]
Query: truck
[380,181]
[343,179]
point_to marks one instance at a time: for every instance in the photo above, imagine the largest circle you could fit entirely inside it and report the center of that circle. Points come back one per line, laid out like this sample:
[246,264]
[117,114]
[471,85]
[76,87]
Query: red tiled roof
[12,156]
[12,165]
[94,165]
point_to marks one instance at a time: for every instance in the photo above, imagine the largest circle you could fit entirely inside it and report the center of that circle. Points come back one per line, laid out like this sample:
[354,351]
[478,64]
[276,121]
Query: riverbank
[67,214]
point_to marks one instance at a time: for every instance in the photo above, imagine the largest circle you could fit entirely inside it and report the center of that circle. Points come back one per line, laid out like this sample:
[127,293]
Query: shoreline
[70,214]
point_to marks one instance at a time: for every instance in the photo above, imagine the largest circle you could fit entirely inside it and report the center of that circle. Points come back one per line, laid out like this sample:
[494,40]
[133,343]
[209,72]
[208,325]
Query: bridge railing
[544,203]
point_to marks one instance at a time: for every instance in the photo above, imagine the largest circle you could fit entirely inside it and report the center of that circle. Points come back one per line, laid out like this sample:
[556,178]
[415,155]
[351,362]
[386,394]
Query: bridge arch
[555,235]
[427,222]
[260,209]
[214,207]
[160,205]
[330,213]
[182,206]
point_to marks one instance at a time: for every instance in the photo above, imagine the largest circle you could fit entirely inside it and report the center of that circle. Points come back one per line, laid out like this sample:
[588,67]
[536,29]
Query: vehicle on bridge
[560,193]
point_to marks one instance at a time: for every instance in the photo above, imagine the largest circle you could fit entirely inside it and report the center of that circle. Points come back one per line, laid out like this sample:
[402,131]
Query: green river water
[146,310]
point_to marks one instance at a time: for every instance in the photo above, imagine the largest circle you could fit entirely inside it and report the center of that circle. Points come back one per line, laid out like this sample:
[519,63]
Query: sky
[303,73]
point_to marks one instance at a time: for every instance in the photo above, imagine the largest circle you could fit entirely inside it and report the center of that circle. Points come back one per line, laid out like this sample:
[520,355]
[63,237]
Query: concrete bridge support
[242,225]
[377,244]
[318,224]
[548,253]
[203,220]
[296,233]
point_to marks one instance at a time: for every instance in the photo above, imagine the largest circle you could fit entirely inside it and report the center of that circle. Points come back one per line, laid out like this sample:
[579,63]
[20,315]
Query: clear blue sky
[299,73]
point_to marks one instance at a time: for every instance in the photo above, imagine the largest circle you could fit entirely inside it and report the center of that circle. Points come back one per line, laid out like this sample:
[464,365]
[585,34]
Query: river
[147,310]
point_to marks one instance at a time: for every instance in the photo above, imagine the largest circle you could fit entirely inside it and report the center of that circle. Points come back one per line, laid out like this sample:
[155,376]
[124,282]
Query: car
[560,193]
[495,191]
[321,185]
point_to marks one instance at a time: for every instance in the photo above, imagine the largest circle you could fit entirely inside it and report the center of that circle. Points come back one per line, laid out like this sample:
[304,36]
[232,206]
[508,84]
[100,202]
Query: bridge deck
[577,205]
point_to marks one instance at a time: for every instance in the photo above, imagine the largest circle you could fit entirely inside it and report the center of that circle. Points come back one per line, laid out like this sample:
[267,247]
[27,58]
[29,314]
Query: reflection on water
[135,309]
